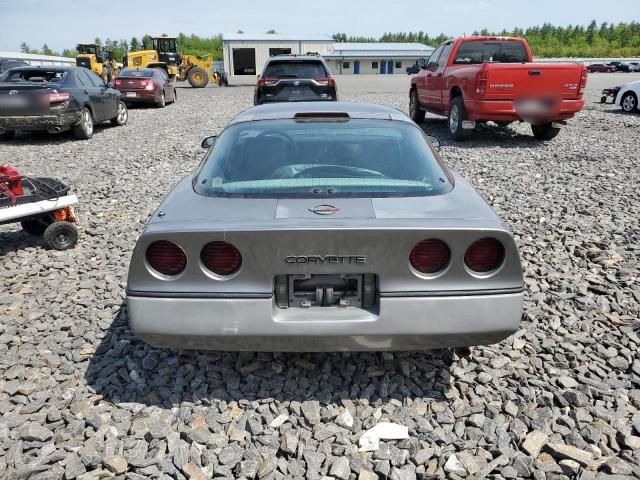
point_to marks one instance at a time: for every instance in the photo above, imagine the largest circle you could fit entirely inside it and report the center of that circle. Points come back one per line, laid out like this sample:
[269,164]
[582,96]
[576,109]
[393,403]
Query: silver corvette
[324,227]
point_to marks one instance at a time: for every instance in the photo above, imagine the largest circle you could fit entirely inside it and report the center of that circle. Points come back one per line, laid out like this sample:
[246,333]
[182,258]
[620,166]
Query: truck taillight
[583,82]
[326,81]
[58,97]
[267,81]
[481,82]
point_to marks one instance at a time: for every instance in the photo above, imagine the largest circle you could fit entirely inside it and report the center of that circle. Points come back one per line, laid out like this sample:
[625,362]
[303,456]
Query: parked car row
[58,99]
[615,66]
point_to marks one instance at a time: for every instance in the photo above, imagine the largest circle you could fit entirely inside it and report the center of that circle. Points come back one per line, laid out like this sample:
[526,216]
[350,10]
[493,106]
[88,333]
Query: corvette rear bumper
[256,324]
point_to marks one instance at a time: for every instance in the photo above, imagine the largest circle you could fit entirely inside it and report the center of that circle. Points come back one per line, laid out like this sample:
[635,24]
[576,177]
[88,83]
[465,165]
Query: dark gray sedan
[319,227]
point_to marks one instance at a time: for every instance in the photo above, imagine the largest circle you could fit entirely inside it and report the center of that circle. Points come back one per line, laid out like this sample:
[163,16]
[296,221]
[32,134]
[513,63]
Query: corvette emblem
[324,210]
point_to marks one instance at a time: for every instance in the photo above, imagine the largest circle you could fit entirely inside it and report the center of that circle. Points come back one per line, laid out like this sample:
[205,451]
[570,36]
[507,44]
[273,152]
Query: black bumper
[60,121]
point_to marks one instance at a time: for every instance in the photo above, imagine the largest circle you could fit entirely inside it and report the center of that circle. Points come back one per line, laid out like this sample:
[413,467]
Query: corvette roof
[289,110]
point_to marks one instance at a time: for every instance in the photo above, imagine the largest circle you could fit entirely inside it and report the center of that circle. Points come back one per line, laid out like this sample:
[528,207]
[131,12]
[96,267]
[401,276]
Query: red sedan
[600,67]
[145,85]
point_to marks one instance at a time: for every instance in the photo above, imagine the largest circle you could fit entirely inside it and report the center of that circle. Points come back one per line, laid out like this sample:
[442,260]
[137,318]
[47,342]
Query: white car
[628,96]
[634,66]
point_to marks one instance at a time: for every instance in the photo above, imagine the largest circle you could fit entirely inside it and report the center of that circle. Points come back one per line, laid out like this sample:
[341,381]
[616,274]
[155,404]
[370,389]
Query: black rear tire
[416,113]
[457,115]
[84,129]
[8,135]
[61,235]
[163,102]
[545,131]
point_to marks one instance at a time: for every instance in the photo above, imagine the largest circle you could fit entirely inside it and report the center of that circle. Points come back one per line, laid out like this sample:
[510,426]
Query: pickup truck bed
[479,79]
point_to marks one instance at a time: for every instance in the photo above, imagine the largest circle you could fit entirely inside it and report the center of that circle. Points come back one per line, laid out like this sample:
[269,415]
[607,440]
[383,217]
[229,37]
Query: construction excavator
[164,54]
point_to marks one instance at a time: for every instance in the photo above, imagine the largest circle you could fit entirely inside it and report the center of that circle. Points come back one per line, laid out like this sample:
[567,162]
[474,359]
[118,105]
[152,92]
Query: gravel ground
[80,397]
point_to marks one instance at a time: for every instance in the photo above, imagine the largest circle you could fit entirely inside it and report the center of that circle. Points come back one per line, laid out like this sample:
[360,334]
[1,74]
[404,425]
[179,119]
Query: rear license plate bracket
[325,290]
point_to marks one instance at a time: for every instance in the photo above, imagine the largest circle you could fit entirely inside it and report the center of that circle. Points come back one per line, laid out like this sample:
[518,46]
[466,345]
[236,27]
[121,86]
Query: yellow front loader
[165,55]
[96,59]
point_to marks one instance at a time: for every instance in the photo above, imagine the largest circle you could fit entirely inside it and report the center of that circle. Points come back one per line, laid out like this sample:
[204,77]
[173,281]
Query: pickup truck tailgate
[509,81]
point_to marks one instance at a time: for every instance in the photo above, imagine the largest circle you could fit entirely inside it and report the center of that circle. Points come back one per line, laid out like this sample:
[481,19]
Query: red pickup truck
[477,79]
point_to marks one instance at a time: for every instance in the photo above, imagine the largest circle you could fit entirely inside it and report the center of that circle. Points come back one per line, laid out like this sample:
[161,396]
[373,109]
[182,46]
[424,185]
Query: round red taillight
[166,257]
[221,258]
[484,255]
[430,256]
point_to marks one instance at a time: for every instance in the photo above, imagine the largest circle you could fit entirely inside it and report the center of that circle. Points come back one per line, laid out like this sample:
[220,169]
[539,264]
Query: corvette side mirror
[209,142]
[435,141]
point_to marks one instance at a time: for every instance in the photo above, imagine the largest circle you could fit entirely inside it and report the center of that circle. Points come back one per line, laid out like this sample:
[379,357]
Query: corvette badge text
[326,259]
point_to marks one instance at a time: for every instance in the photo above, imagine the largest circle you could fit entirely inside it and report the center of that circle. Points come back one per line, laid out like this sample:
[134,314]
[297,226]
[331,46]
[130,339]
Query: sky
[63,23]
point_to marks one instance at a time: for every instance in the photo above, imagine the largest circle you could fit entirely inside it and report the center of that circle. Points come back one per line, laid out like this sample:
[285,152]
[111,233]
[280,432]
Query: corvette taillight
[484,255]
[221,258]
[430,256]
[166,258]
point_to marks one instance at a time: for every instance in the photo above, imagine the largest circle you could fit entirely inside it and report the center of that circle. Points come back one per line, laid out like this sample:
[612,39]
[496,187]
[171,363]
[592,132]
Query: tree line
[604,40]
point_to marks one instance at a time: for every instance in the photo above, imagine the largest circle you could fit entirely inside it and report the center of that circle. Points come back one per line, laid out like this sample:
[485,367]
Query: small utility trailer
[609,94]
[43,206]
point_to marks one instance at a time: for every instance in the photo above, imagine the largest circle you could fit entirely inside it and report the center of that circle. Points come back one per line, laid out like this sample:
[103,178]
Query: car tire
[198,77]
[545,131]
[123,115]
[162,103]
[175,96]
[415,112]
[629,102]
[83,130]
[457,115]
[8,135]
[61,235]
[36,226]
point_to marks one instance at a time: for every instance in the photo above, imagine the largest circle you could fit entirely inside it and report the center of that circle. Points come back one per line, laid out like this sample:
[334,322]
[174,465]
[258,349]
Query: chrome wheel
[122,113]
[87,122]
[454,118]
[629,103]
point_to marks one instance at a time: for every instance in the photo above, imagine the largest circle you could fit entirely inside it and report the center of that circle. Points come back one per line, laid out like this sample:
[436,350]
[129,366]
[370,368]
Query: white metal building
[375,58]
[37,59]
[246,54]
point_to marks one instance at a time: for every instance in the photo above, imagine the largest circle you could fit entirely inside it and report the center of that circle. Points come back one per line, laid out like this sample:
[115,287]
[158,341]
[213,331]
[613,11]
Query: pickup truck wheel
[84,129]
[545,131]
[415,112]
[629,102]
[457,115]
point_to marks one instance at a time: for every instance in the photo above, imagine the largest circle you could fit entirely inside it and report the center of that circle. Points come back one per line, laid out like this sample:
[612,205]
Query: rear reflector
[484,255]
[430,256]
[221,258]
[166,257]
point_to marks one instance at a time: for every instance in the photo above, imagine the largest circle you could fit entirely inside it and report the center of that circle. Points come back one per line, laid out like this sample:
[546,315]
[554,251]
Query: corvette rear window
[288,158]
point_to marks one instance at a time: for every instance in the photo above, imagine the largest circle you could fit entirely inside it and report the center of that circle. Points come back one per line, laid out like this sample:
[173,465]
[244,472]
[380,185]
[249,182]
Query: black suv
[295,78]
[620,66]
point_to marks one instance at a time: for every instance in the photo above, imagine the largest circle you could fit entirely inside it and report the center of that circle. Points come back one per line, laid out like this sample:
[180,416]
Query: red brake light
[221,258]
[58,97]
[326,81]
[117,81]
[481,82]
[484,255]
[267,81]
[583,82]
[149,85]
[430,256]
[166,257]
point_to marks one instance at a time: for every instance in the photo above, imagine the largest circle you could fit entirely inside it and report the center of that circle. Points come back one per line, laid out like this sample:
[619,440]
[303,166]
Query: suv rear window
[295,69]
[478,51]
[315,159]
